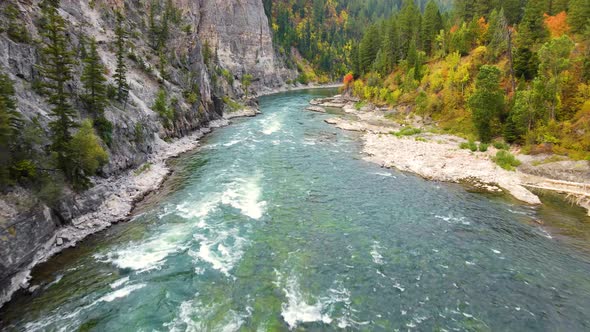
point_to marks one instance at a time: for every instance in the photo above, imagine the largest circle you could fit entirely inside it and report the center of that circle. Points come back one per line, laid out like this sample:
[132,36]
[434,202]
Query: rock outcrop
[239,35]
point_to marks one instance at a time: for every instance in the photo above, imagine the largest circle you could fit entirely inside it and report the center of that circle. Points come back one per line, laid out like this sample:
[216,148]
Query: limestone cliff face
[238,33]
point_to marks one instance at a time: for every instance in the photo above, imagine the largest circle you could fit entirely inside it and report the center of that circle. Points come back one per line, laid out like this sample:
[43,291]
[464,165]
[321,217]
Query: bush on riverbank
[501,145]
[506,160]
[471,145]
[408,131]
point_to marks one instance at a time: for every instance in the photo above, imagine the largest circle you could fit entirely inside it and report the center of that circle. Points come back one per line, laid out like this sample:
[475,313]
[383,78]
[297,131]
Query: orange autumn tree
[557,25]
[348,79]
[483,28]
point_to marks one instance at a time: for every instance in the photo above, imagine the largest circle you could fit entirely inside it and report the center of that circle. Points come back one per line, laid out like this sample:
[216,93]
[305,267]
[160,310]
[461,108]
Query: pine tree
[431,26]
[482,8]
[487,101]
[355,61]
[164,31]
[498,35]
[9,125]
[121,70]
[369,48]
[153,27]
[531,29]
[525,63]
[56,69]
[391,45]
[465,9]
[246,82]
[557,6]
[579,15]
[16,30]
[554,58]
[409,25]
[95,98]
[94,82]
[514,10]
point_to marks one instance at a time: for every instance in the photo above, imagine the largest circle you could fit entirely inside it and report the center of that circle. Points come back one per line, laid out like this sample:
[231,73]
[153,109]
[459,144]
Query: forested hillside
[325,31]
[513,69]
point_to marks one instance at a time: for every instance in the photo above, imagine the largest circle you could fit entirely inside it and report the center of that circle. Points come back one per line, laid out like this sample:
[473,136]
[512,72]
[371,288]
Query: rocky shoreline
[272,91]
[437,156]
[122,194]
[119,195]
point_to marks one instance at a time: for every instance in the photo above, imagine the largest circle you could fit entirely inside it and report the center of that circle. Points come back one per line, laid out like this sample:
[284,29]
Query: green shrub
[139,133]
[506,160]
[303,79]
[163,109]
[501,145]
[104,128]
[229,77]
[232,104]
[408,131]
[87,155]
[471,145]
[483,147]
[360,104]
[143,168]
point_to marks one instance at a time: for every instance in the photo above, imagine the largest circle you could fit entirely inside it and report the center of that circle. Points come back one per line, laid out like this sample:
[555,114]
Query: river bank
[438,157]
[272,91]
[119,197]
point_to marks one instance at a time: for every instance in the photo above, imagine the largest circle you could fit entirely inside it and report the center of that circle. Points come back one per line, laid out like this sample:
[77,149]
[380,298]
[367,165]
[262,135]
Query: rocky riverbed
[438,156]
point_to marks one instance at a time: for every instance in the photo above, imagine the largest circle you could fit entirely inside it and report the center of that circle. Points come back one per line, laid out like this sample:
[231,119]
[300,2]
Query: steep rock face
[239,36]
[238,31]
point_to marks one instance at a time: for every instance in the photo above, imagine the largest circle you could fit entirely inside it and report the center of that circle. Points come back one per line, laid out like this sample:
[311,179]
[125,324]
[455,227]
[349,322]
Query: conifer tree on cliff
[121,70]
[95,97]
[9,125]
[56,70]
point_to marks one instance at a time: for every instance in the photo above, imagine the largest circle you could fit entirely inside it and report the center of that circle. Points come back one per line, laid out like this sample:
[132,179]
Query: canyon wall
[240,42]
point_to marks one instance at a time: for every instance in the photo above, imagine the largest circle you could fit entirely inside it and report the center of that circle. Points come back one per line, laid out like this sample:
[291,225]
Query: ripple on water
[245,195]
[271,124]
[222,249]
[193,315]
[151,253]
[220,243]
[333,307]
[377,257]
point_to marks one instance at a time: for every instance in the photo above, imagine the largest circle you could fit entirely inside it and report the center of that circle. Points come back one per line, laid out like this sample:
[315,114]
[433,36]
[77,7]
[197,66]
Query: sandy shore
[438,156]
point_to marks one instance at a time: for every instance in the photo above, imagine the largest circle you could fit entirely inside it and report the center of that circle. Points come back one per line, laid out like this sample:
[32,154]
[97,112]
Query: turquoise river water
[277,224]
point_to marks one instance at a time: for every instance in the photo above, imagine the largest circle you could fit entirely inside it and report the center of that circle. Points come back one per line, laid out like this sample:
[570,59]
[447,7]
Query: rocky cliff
[238,42]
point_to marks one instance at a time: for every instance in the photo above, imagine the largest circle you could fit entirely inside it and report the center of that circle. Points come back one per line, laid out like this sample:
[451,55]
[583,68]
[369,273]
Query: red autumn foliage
[348,79]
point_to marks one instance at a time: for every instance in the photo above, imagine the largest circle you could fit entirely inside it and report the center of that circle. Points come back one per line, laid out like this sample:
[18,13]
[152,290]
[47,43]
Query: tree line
[323,31]
[512,68]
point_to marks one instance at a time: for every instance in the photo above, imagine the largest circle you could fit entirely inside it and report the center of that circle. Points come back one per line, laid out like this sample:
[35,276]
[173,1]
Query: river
[276,223]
